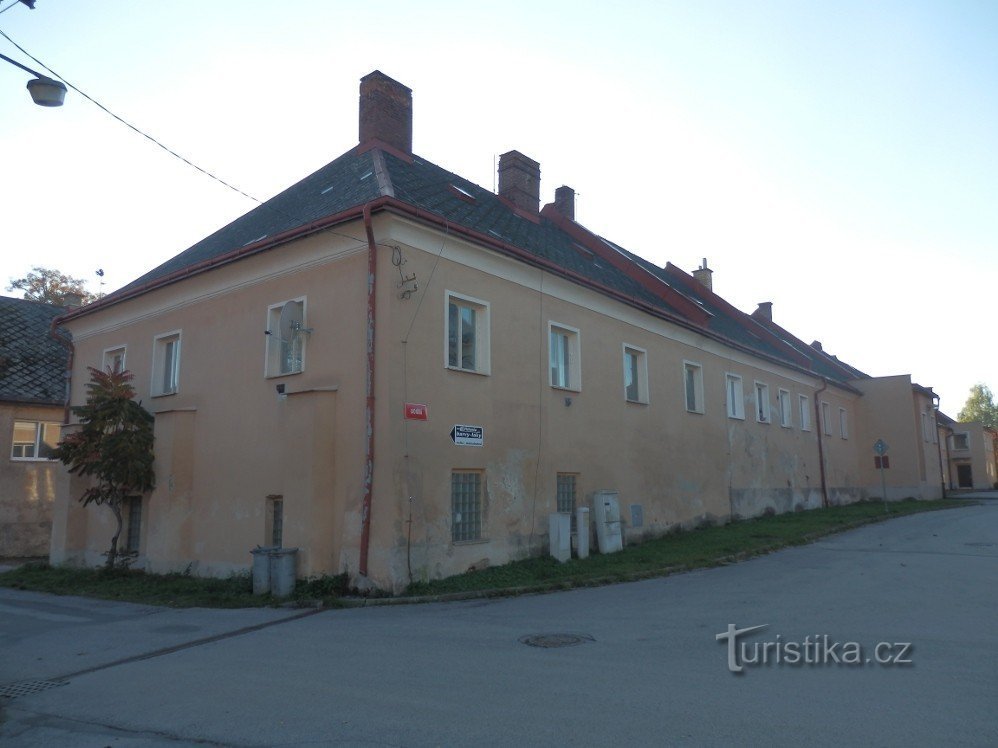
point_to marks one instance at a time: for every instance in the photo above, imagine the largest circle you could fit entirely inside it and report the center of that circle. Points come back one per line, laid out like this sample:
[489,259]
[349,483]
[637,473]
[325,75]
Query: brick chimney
[704,275]
[385,111]
[520,181]
[816,344]
[564,201]
[764,310]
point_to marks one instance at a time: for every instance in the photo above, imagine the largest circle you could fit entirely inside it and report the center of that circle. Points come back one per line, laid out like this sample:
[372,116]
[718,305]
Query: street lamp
[44,90]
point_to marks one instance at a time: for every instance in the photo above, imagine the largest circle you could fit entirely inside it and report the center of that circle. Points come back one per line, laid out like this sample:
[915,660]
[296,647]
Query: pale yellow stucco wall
[226,441]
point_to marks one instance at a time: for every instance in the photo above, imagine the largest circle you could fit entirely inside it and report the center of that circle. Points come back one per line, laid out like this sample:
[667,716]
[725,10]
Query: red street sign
[882,462]
[415,412]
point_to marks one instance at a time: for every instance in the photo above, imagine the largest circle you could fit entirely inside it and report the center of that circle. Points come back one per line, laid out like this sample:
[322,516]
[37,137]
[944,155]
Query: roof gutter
[372,267]
[820,427]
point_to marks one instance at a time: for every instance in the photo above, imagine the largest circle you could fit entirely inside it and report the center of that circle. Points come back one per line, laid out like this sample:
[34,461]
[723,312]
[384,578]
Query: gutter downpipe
[66,343]
[939,442]
[372,264]
[819,427]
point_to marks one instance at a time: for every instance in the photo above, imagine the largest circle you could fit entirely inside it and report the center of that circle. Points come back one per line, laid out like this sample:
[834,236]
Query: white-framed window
[287,332]
[565,493]
[843,423]
[466,337]
[635,374]
[786,412]
[735,396]
[762,402]
[34,440]
[564,361]
[826,421]
[805,412]
[961,441]
[166,363]
[693,386]
[466,505]
[114,359]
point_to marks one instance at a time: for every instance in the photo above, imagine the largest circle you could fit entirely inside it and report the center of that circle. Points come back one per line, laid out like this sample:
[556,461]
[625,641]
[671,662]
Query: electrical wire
[4,10]
[129,124]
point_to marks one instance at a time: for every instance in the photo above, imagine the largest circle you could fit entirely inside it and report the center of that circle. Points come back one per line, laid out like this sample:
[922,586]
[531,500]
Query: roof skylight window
[464,192]
[330,188]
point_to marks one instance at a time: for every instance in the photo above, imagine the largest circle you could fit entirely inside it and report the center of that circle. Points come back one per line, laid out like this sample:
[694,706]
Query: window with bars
[133,536]
[276,522]
[466,505]
[566,492]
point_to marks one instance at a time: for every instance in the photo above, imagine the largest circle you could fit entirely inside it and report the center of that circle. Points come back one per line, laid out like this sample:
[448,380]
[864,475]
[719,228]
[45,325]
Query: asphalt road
[649,669]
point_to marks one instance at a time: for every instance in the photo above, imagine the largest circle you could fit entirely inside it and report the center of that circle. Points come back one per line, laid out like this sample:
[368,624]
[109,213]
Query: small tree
[980,406]
[114,446]
[50,286]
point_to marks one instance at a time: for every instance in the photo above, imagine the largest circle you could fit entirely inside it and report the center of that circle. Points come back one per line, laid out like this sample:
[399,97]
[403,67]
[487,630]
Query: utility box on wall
[606,515]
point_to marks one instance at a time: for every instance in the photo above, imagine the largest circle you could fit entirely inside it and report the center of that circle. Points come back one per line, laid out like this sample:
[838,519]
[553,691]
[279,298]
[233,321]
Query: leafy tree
[50,286]
[980,406]
[114,445]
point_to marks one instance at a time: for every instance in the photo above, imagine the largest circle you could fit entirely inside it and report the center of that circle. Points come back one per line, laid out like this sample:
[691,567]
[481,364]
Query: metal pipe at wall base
[819,428]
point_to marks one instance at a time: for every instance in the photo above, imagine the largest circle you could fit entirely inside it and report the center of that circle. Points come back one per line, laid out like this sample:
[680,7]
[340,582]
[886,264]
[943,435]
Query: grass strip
[678,551]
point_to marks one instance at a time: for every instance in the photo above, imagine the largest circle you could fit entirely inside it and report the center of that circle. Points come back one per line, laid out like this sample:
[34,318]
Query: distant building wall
[27,485]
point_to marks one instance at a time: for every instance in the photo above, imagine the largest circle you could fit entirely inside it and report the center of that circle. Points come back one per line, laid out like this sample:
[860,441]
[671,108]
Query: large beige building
[403,374]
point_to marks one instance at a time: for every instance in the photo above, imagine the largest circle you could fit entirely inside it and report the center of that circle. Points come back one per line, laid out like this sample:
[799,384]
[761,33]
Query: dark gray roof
[32,364]
[369,173]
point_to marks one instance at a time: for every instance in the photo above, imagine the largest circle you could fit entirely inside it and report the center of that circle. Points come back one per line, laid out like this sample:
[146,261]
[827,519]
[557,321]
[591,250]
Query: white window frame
[786,409]
[640,371]
[565,363]
[734,395]
[696,369]
[41,428]
[273,365]
[158,387]
[804,405]
[826,421]
[763,408]
[843,423]
[483,356]
[110,354]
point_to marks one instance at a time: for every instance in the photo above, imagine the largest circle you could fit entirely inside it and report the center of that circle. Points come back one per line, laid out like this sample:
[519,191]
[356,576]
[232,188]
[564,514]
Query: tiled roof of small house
[32,364]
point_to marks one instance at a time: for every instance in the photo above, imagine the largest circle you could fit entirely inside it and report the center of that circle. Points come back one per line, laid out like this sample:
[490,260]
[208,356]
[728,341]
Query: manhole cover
[28,687]
[550,641]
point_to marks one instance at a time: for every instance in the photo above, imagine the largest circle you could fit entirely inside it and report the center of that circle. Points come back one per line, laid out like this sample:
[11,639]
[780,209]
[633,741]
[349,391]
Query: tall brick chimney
[704,275]
[520,180]
[564,201]
[385,111]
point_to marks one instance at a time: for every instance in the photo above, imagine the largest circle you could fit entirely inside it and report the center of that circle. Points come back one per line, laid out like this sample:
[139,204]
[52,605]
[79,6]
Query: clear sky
[839,159]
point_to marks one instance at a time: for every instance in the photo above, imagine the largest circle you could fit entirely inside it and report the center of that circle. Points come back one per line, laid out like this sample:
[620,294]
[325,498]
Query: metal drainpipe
[939,442]
[68,345]
[819,427]
[372,264]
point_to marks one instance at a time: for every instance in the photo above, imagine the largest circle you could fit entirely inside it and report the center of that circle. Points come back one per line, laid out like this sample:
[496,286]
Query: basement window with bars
[133,536]
[466,505]
[566,492]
